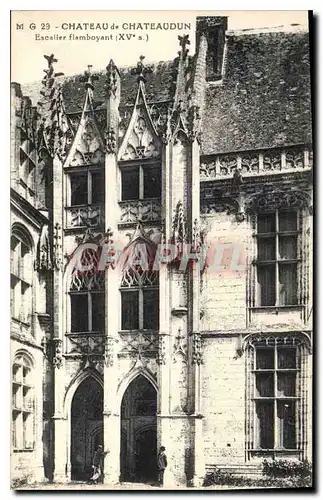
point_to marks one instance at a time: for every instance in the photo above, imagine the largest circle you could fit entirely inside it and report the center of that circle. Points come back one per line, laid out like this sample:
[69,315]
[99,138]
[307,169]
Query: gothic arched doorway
[138,432]
[86,427]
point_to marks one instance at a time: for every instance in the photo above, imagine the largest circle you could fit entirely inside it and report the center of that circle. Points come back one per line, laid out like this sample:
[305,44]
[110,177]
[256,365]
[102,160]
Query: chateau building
[203,345]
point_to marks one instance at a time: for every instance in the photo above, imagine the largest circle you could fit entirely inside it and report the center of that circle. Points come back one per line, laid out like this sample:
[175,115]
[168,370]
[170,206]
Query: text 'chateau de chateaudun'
[161,261]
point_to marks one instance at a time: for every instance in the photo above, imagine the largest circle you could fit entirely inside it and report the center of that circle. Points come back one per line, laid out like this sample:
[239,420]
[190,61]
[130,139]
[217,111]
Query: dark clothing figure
[161,465]
[97,465]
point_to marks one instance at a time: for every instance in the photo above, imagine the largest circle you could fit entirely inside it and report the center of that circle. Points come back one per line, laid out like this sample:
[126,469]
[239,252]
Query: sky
[27,61]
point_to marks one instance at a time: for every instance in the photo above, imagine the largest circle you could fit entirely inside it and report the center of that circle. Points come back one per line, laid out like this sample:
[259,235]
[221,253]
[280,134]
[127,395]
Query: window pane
[151,309]
[266,223]
[79,189]
[130,183]
[152,188]
[286,424]
[98,187]
[266,285]
[288,247]
[98,312]
[287,221]
[264,385]
[265,424]
[266,249]
[265,359]
[130,310]
[79,313]
[286,358]
[286,384]
[287,284]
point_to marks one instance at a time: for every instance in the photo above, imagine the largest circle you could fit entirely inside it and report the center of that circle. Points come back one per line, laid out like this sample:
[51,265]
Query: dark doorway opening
[86,427]
[139,432]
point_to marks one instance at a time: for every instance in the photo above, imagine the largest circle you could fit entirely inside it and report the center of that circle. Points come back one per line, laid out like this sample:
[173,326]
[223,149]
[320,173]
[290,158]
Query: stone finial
[89,78]
[141,70]
[183,42]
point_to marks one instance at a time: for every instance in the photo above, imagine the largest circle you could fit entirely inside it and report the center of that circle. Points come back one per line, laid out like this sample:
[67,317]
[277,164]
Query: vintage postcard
[161,250]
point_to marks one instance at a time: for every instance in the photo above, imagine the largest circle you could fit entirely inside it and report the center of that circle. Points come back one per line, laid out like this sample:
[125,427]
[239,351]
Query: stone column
[195,344]
[59,422]
[111,412]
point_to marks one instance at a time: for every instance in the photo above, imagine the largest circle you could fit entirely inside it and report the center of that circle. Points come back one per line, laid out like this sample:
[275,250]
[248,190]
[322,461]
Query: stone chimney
[214,28]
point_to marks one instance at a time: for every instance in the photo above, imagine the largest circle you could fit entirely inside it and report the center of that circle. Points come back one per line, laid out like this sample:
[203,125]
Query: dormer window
[140,182]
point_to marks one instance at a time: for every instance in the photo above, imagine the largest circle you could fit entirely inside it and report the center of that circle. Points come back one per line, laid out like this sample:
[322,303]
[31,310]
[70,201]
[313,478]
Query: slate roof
[160,86]
[265,99]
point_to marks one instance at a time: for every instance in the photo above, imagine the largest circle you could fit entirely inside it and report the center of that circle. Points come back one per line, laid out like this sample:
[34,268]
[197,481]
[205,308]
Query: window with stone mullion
[275,397]
[277,239]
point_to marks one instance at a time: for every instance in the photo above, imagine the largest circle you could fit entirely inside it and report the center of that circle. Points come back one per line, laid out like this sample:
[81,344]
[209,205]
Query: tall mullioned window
[87,300]
[21,276]
[277,241]
[22,403]
[277,392]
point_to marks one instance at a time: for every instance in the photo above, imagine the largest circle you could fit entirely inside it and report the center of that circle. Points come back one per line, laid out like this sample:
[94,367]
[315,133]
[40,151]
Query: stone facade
[134,357]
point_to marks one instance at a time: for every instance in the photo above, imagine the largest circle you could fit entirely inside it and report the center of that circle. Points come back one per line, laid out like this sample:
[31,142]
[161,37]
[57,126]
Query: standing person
[97,465]
[161,465]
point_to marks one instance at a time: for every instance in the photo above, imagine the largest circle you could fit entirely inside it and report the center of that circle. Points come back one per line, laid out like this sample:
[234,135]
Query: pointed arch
[75,384]
[141,139]
[130,377]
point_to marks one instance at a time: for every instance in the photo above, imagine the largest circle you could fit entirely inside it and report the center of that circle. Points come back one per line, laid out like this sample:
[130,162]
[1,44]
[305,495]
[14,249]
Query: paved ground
[122,486]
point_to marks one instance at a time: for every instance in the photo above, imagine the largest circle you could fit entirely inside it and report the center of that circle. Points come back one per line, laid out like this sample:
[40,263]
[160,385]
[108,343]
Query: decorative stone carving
[250,163]
[197,358]
[294,159]
[58,355]
[86,344]
[278,339]
[142,142]
[179,224]
[272,160]
[88,150]
[230,206]
[141,70]
[43,256]
[144,211]
[109,352]
[273,199]
[227,164]
[162,349]
[237,180]
[112,76]
[131,343]
[193,121]
[57,247]
[183,42]
[196,236]
[111,141]
[180,349]
[84,216]
[208,169]
[160,115]
[54,123]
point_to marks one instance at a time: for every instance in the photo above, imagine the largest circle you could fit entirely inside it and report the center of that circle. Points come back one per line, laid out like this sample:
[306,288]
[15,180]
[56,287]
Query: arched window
[22,403]
[139,290]
[21,276]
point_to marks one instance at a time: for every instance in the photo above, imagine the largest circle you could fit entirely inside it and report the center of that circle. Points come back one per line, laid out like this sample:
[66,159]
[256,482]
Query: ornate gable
[141,139]
[88,146]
